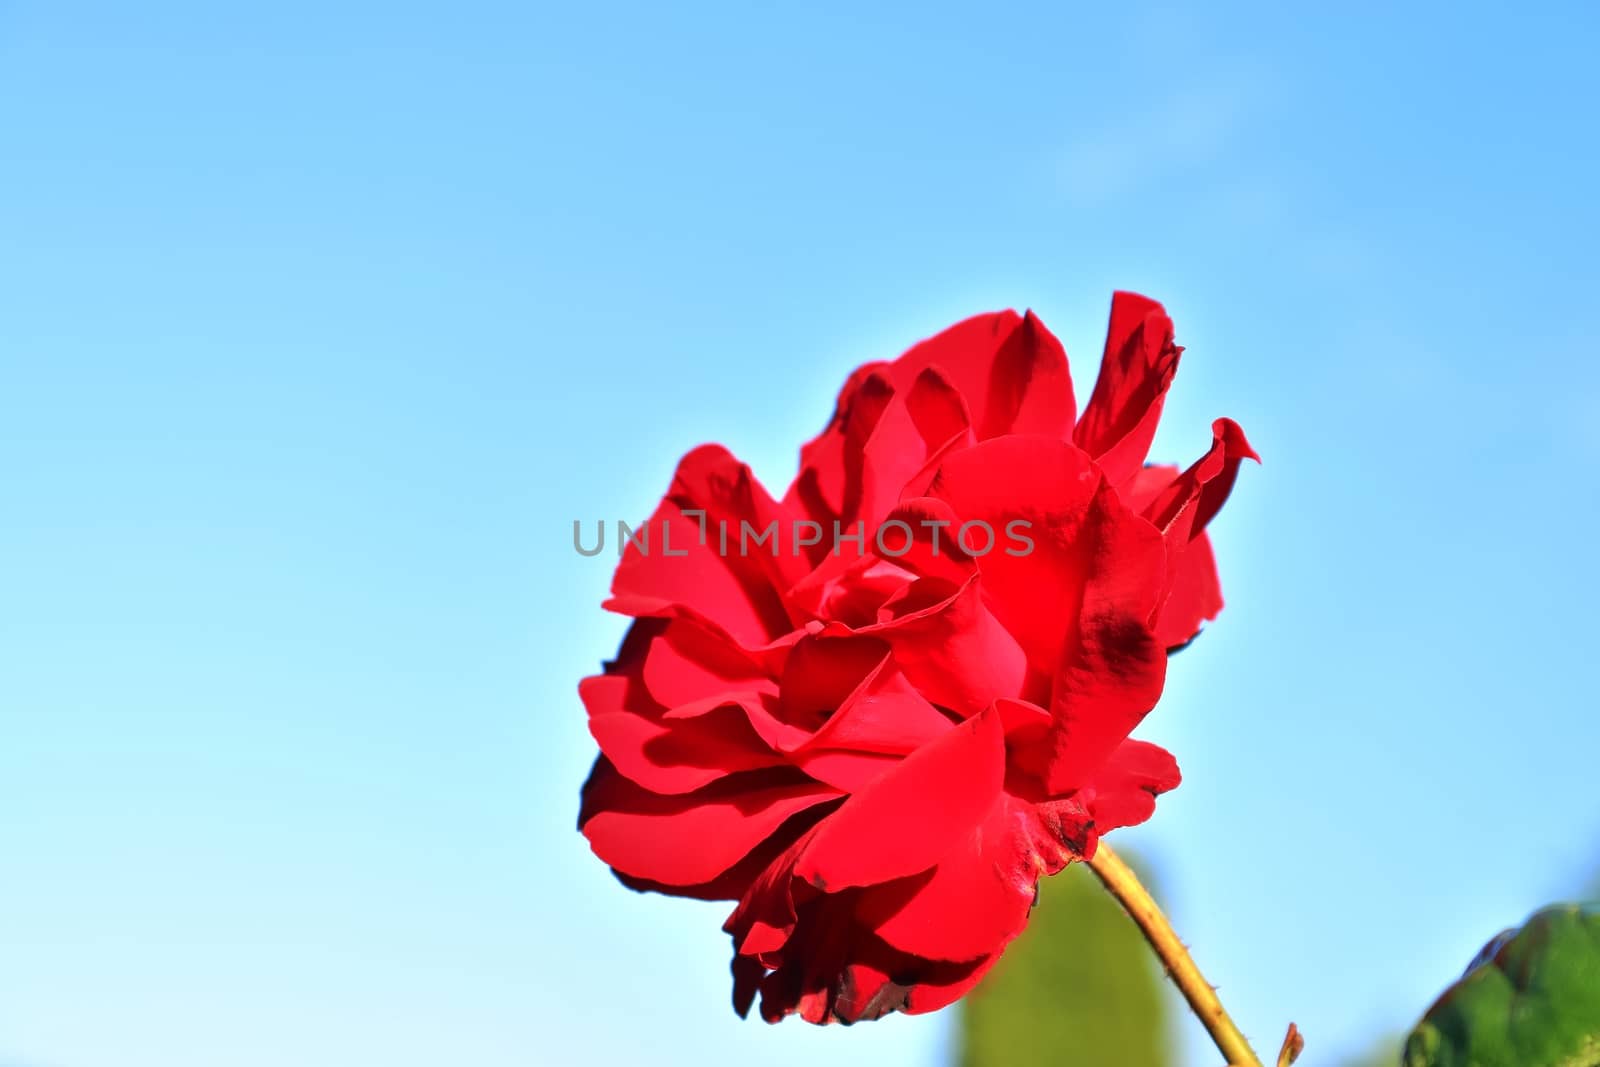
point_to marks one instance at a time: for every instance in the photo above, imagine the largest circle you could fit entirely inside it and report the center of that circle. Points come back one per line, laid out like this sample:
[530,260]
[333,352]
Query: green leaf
[1080,986]
[1530,999]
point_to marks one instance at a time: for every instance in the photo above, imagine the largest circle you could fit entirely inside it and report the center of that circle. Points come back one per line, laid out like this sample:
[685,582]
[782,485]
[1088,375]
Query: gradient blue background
[319,327]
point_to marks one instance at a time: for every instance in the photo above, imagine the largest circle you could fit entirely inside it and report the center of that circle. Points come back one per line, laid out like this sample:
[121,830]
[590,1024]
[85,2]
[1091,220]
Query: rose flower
[876,711]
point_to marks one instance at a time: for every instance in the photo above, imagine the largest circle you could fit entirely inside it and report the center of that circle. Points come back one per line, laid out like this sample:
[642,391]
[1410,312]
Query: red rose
[875,711]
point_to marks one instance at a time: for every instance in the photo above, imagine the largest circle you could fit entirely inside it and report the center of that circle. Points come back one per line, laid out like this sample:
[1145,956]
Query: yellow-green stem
[1136,900]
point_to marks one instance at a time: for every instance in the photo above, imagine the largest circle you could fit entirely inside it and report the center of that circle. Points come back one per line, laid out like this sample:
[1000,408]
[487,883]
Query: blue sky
[319,327]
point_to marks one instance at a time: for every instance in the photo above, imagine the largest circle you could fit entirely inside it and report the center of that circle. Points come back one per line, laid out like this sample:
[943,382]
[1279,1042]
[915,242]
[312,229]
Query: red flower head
[876,711]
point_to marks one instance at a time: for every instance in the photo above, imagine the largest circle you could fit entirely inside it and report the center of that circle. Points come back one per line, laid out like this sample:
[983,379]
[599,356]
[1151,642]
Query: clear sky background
[319,327]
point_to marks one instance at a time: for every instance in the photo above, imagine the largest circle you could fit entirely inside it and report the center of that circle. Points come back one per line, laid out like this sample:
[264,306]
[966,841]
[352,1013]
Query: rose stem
[1137,902]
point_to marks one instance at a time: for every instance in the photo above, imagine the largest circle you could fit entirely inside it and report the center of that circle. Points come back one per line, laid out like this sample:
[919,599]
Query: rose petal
[1196,595]
[955,651]
[885,715]
[1112,672]
[1023,721]
[964,355]
[1186,506]
[687,663]
[932,551]
[937,409]
[974,900]
[1050,486]
[1125,787]
[1119,422]
[674,757]
[833,970]
[906,819]
[822,672]
[766,913]
[669,565]
[689,839]
[883,720]
[1030,389]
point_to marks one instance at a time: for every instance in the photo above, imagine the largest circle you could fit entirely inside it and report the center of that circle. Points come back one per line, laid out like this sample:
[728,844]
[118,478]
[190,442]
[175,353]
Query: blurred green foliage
[1383,1053]
[1079,988]
[1530,999]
